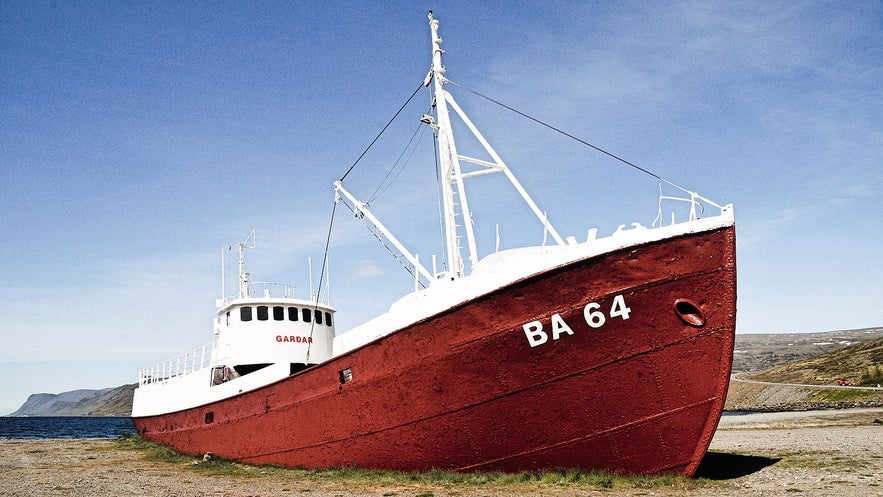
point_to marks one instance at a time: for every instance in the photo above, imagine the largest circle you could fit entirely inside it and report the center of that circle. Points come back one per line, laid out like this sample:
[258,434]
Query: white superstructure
[264,334]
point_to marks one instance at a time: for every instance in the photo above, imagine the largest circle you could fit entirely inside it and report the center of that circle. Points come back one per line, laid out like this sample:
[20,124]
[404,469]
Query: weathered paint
[465,390]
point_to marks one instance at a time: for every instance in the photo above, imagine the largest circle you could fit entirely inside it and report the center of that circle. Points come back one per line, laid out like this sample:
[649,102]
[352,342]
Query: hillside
[115,401]
[812,383]
[861,363]
[761,351]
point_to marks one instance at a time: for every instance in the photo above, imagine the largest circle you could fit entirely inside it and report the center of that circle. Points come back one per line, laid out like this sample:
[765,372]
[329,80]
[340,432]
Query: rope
[386,182]
[395,255]
[381,132]
[321,279]
[334,210]
[580,140]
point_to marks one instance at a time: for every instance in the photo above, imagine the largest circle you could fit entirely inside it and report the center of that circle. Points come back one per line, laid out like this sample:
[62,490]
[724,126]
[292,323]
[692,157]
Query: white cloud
[365,268]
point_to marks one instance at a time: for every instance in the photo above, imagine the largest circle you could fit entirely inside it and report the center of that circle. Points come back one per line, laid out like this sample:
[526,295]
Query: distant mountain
[115,401]
[816,382]
[858,363]
[758,352]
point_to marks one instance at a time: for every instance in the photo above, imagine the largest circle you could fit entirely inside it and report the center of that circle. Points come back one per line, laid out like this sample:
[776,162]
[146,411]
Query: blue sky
[137,139]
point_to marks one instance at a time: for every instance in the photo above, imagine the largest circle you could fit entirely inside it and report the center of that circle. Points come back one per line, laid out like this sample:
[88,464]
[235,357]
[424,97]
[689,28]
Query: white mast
[452,174]
[450,167]
[243,276]
[452,177]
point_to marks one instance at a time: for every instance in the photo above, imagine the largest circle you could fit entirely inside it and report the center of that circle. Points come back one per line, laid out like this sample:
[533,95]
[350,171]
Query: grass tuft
[841,395]
[424,481]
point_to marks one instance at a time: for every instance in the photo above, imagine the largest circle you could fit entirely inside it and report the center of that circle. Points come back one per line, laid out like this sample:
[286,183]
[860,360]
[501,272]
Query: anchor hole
[689,313]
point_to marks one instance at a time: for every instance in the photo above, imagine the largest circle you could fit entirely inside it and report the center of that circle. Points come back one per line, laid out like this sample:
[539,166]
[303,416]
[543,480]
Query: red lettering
[295,339]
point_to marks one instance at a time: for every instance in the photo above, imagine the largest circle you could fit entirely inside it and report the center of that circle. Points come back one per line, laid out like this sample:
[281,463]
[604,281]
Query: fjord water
[65,427]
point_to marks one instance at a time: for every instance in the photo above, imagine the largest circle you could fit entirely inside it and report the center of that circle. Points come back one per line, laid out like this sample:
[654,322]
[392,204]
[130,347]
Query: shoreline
[825,453]
[767,419]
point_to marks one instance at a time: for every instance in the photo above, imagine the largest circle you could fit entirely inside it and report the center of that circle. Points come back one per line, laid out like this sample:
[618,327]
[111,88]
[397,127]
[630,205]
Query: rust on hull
[465,390]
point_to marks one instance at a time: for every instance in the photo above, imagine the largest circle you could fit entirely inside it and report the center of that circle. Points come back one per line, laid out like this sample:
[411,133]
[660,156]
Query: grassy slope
[861,363]
[863,360]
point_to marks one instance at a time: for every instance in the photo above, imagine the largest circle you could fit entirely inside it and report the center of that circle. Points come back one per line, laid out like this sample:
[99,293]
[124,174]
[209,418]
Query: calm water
[65,427]
[88,427]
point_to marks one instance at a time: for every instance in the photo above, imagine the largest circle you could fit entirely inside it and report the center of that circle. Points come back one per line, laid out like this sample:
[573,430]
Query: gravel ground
[818,453]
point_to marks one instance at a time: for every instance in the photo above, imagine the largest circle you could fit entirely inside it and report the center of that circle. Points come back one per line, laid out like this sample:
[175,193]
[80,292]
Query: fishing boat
[612,352]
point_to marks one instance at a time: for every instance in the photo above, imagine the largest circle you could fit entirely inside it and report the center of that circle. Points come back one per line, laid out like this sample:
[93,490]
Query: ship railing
[266,289]
[186,363]
[696,202]
[270,289]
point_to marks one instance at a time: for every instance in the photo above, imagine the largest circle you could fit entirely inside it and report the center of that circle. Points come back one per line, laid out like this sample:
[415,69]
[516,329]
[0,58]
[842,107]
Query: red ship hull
[465,390]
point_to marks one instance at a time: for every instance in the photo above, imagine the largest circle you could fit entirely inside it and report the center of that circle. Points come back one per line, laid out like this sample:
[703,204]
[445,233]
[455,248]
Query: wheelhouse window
[328,318]
[263,313]
[292,313]
[307,314]
[278,313]
[318,317]
[245,313]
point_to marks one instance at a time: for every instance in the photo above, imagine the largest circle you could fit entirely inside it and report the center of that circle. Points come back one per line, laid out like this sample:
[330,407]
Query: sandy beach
[819,453]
